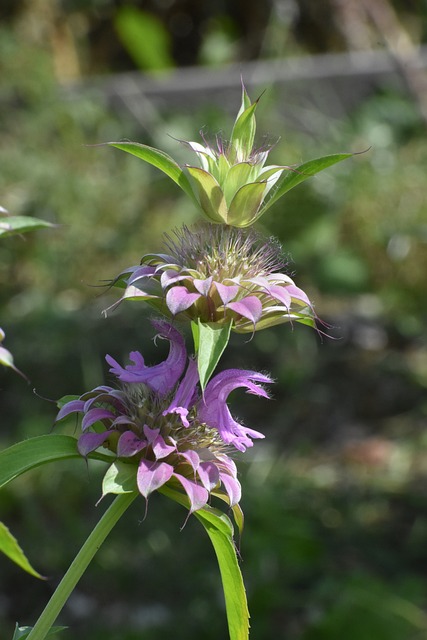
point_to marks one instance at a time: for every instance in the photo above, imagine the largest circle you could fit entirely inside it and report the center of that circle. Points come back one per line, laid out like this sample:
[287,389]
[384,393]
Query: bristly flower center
[225,252]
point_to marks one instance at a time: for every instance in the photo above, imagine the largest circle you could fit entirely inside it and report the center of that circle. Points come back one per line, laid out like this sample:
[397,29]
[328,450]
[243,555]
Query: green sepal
[158,159]
[288,181]
[23,632]
[10,547]
[13,225]
[120,478]
[220,531]
[210,341]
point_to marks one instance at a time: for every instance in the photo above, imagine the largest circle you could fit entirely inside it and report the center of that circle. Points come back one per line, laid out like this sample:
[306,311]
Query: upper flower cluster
[158,420]
[232,186]
[218,274]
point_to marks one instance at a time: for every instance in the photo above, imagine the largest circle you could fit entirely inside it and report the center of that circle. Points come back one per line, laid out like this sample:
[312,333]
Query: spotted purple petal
[209,475]
[203,286]
[161,449]
[74,406]
[88,442]
[94,415]
[232,487]
[227,292]
[249,307]
[129,444]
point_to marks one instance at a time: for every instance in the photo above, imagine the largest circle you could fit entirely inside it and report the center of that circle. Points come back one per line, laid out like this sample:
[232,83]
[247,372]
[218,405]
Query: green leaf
[289,180]
[10,547]
[12,225]
[65,399]
[32,453]
[220,531]
[211,196]
[158,159]
[245,204]
[120,478]
[237,176]
[210,340]
[145,38]
[23,632]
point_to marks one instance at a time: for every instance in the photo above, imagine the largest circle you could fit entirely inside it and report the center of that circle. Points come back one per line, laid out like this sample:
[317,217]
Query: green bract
[232,186]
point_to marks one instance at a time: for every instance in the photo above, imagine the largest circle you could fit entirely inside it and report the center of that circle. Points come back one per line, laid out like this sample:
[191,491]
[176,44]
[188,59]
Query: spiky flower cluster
[222,275]
[158,421]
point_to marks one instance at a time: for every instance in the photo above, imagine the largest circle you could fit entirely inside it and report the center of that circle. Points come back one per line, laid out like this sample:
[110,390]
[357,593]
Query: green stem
[79,565]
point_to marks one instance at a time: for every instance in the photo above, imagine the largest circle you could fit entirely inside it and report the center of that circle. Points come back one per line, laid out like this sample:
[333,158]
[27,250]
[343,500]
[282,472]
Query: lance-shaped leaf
[10,547]
[246,203]
[158,159]
[210,341]
[13,225]
[237,176]
[220,531]
[211,196]
[288,181]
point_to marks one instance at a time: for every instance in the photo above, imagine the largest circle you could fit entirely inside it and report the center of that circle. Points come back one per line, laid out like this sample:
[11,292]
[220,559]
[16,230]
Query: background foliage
[335,500]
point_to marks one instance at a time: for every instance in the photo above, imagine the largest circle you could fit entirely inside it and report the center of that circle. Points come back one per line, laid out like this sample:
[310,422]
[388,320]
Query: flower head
[158,420]
[219,274]
[232,185]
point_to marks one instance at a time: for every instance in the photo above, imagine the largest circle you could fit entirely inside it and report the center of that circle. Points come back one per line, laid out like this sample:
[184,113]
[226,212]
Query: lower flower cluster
[158,420]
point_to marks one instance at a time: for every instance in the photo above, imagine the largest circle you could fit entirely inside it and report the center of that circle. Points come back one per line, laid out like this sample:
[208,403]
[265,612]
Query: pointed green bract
[210,341]
[243,135]
[120,478]
[158,159]
[13,225]
[211,196]
[302,172]
[245,204]
[10,547]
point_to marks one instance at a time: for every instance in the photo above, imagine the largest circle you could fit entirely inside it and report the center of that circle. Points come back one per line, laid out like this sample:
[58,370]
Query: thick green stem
[79,565]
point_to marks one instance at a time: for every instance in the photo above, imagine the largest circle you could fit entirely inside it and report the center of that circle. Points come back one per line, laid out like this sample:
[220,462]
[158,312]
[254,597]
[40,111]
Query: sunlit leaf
[120,478]
[13,225]
[210,340]
[291,179]
[211,196]
[10,547]
[245,204]
[158,159]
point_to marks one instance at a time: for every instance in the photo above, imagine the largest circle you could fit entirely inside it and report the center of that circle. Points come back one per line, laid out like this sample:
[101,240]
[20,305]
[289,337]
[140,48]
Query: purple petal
[209,475]
[74,406]
[282,294]
[94,415]
[141,272]
[152,475]
[197,494]
[184,396]
[203,286]
[161,449]
[161,377]
[232,487]
[192,458]
[179,299]
[88,442]
[227,292]
[249,307]
[150,434]
[129,444]
[298,294]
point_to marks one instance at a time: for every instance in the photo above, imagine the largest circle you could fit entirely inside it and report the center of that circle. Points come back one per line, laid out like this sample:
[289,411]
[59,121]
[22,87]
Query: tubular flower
[222,275]
[158,421]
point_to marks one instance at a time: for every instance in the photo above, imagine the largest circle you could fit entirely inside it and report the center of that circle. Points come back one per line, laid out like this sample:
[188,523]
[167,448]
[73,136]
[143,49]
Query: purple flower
[219,274]
[158,420]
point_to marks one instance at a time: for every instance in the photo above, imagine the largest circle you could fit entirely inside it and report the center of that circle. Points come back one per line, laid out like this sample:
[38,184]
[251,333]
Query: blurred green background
[335,497]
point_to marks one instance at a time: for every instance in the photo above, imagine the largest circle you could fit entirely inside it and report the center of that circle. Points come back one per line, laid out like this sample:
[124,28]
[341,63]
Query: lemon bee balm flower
[218,274]
[158,420]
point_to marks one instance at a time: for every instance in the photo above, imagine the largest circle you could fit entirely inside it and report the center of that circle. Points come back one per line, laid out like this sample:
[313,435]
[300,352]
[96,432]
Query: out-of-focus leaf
[10,547]
[145,38]
[23,632]
[13,225]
